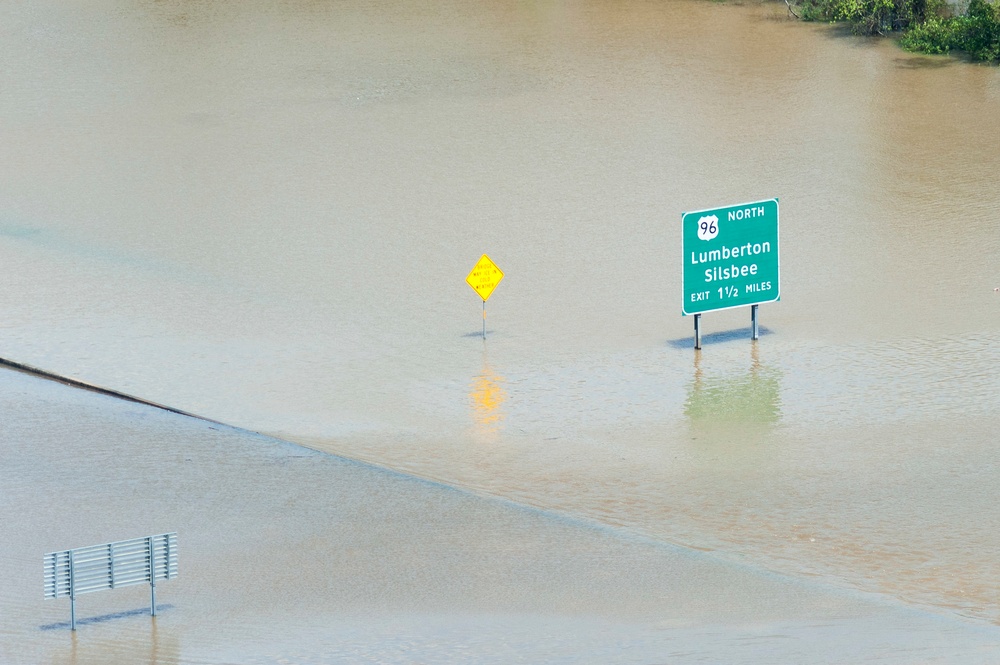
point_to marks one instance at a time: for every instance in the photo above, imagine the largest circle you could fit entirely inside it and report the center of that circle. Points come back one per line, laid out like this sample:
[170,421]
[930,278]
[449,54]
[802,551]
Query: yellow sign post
[483,279]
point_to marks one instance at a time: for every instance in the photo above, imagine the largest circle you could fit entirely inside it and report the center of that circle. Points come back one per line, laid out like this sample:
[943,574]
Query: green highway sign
[730,257]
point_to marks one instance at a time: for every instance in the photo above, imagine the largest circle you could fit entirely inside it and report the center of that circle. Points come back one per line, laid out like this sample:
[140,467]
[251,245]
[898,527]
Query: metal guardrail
[110,566]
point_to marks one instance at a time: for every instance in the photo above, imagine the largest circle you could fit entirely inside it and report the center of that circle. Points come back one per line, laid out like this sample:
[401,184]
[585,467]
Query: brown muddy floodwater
[264,213]
[292,556]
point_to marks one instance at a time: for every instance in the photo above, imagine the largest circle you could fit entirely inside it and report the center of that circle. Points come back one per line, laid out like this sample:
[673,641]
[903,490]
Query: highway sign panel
[484,277]
[730,257]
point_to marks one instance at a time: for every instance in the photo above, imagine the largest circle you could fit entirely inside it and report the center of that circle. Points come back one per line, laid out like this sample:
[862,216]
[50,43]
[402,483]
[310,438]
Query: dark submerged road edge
[76,383]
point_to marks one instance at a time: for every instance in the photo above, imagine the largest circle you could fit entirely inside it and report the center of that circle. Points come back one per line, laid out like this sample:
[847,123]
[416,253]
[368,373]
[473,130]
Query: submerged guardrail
[110,566]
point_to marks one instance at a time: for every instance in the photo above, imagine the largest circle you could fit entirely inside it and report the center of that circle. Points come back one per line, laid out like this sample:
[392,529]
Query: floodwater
[288,555]
[264,213]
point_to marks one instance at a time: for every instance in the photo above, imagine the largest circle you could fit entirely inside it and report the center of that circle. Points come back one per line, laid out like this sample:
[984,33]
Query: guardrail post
[72,593]
[152,578]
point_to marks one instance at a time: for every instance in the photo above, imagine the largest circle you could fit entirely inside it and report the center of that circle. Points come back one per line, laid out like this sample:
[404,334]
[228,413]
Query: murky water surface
[288,555]
[264,213]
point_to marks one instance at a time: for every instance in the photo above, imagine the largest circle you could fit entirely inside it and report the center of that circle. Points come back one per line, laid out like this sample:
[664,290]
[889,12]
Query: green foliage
[981,37]
[935,35]
[868,17]
[927,25]
[814,10]
[873,16]
[977,33]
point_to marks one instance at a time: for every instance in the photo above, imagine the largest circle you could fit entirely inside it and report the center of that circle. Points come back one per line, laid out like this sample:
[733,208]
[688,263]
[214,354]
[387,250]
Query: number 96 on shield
[708,227]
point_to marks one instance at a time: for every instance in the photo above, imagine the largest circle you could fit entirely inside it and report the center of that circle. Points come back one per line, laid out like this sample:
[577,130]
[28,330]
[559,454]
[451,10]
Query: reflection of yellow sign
[484,277]
[487,397]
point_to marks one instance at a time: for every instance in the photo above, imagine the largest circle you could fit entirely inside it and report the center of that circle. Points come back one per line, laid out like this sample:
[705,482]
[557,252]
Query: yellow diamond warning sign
[484,277]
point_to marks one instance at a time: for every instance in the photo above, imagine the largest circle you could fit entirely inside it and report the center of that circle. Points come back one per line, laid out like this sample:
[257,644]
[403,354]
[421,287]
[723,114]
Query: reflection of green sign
[754,398]
[730,256]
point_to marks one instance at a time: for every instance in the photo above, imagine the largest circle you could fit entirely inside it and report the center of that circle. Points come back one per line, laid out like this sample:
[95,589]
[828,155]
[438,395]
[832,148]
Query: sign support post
[753,322]
[697,331]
